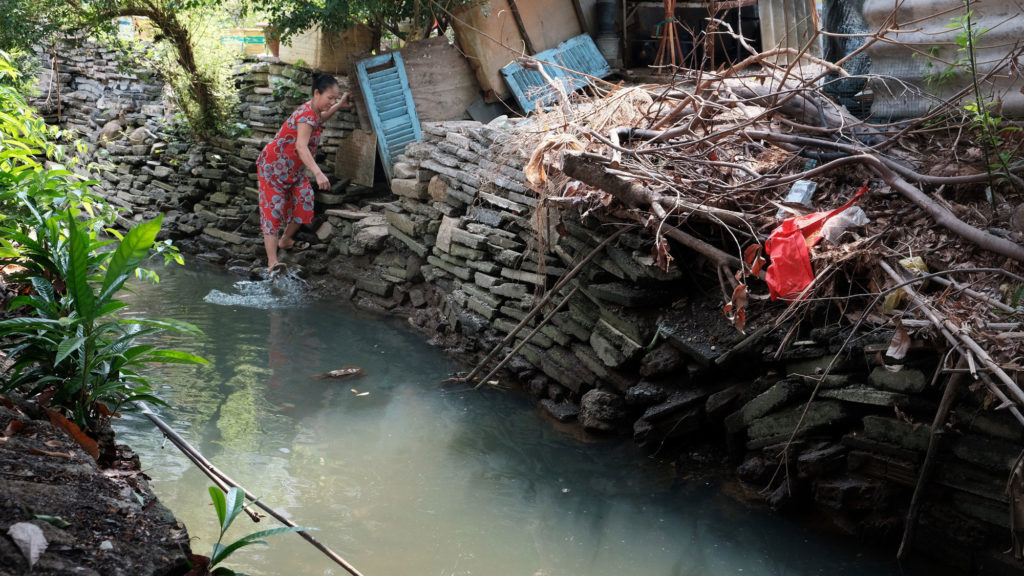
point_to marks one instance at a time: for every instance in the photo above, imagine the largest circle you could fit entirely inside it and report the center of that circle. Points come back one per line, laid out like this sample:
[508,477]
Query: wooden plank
[489,40]
[581,17]
[441,79]
[356,157]
[414,120]
[549,22]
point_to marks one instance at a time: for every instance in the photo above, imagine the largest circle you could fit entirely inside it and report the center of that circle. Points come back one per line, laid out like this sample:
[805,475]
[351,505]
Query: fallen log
[635,195]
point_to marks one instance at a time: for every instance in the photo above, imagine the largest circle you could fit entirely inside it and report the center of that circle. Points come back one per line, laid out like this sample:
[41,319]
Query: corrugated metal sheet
[389,100]
[924,28]
[579,54]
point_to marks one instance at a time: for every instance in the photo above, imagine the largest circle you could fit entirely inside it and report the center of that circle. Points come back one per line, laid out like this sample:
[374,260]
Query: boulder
[601,411]
[664,359]
[369,239]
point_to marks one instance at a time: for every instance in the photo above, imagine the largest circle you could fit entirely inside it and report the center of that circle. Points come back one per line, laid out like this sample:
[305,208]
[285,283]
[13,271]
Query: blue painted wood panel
[390,105]
[579,54]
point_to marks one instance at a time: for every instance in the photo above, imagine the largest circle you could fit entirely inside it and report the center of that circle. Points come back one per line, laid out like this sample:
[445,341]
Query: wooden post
[522,27]
[581,17]
[938,424]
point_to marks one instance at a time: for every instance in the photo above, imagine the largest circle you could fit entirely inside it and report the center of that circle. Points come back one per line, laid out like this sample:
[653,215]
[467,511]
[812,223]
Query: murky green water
[405,478]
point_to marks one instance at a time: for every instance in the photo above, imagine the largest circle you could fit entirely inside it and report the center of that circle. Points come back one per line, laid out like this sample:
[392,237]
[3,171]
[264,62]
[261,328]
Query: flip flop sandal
[297,246]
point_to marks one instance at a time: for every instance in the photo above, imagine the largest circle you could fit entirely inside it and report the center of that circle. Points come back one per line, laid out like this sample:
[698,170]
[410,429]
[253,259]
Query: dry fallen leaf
[13,428]
[66,455]
[88,444]
[30,540]
[736,309]
[900,342]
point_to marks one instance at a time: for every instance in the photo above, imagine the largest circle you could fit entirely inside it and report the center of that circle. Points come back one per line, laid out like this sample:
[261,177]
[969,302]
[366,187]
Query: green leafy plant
[228,508]
[71,339]
[64,338]
[982,111]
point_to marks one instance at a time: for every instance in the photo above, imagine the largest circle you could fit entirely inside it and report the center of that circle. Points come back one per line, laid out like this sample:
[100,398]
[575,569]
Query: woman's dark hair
[322,82]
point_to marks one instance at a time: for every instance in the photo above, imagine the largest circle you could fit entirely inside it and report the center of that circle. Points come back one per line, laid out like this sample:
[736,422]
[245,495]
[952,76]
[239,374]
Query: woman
[285,191]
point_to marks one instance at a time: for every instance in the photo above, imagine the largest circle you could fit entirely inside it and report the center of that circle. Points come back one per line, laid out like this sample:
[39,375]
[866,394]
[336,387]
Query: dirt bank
[101,521]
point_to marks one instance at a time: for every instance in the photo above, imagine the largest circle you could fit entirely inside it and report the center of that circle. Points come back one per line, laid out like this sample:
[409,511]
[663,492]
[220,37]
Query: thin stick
[952,385]
[210,470]
[956,336]
[977,295]
[547,298]
[527,338]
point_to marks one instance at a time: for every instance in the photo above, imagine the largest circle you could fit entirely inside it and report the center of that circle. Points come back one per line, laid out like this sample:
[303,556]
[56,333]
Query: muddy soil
[110,522]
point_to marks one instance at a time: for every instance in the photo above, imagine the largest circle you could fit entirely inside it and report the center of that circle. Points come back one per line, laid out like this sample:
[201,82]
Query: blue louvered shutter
[579,54]
[392,112]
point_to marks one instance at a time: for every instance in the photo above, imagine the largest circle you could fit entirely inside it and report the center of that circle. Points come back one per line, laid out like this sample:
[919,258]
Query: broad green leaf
[133,249]
[77,279]
[235,502]
[222,552]
[220,505]
[44,288]
[67,346]
[110,308]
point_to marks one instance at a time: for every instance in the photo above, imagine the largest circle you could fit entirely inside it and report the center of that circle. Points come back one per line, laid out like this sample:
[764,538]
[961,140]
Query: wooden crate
[328,52]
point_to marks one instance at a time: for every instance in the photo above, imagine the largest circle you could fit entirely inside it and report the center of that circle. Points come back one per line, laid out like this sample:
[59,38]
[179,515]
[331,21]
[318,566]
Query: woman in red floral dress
[286,195]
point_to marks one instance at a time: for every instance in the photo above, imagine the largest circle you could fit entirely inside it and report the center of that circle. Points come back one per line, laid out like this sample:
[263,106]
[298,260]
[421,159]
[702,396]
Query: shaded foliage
[64,343]
[405,19]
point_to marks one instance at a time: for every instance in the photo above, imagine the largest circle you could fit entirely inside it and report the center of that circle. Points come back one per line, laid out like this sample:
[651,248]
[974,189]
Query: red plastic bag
[789,248]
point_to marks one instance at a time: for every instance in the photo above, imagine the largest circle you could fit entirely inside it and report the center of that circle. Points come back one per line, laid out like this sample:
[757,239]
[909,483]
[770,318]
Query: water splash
[281,290]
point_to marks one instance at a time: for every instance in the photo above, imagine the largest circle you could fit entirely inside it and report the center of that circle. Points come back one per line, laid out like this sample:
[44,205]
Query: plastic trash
[852,217]
[916,266]
[800,193]
[790,272]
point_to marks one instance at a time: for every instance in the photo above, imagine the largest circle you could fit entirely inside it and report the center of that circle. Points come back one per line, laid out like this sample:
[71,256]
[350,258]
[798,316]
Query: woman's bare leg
[288,238]
[270,243]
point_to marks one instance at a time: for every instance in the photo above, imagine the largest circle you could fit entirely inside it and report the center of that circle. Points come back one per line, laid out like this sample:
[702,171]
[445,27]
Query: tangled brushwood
[922,236]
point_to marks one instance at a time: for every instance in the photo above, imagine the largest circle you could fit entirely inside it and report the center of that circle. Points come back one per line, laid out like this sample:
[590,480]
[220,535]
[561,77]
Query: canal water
[403,477]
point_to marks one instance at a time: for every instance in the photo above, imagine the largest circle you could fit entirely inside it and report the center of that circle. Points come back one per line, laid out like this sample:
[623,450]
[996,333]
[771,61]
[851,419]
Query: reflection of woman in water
[285,192]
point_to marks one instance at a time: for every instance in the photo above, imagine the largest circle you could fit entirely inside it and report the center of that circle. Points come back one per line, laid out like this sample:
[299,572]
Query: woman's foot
[292,244]
[276,269]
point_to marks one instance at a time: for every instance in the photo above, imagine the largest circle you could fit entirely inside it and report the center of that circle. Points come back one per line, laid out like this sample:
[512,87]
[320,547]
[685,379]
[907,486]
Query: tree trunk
[205,118]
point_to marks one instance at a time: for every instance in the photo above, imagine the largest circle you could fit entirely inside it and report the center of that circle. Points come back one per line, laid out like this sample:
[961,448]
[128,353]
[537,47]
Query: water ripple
[283,291]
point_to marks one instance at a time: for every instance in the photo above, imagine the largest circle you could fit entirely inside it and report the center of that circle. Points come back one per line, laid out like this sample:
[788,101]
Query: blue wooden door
[579,54]
[392,112]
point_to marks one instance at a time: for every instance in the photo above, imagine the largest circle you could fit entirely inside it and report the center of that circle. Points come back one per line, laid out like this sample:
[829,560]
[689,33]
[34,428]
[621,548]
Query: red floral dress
[285,192]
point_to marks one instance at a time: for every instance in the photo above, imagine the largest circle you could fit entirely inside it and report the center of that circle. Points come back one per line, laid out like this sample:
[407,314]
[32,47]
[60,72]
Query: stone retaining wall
[206,191]
[459,249]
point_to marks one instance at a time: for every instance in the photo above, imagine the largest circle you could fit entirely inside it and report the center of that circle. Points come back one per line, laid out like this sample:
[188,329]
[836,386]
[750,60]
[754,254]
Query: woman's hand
[321,181]
[344,102]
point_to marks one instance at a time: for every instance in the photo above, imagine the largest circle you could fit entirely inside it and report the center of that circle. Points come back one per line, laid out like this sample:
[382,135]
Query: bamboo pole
[527,338]
[544,301]
[210,470]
